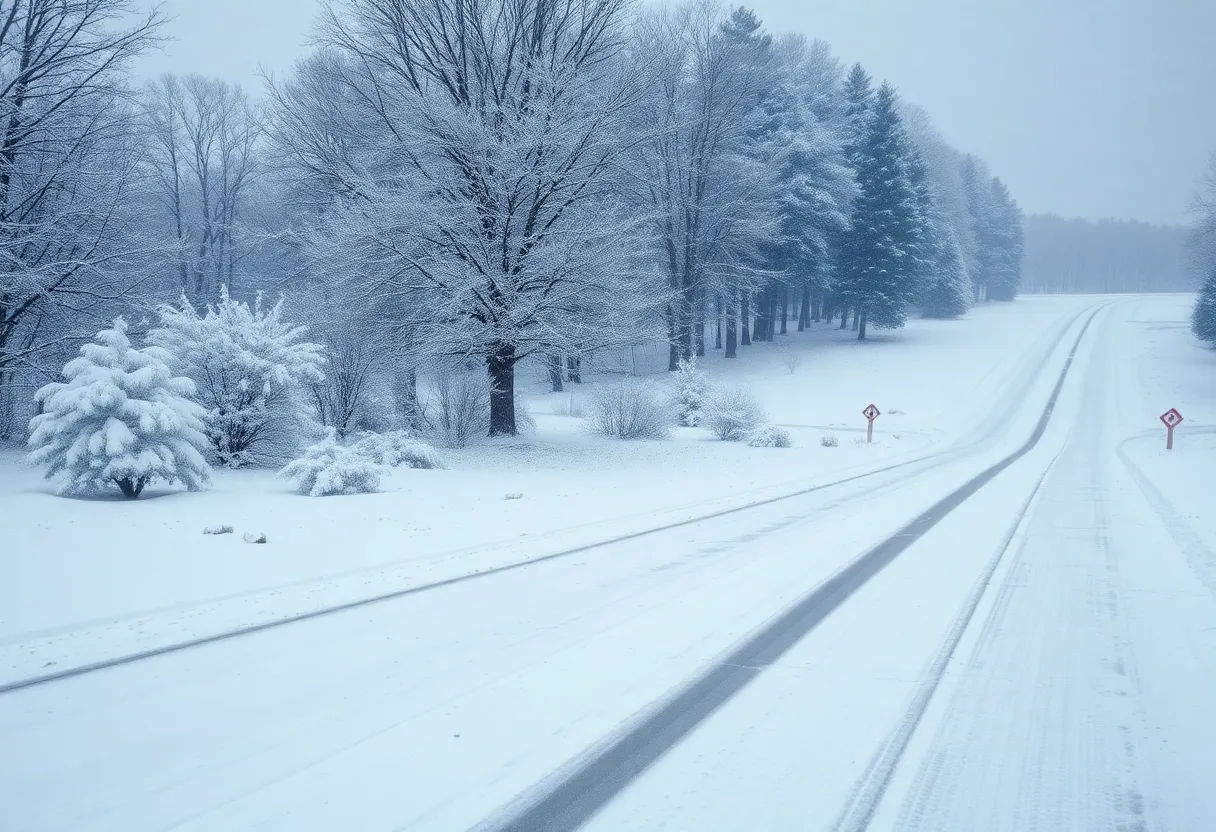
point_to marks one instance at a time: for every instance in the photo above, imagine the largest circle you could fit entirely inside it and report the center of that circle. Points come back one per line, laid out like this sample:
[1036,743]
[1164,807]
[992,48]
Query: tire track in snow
[1050,688]
[872,785]
[936,460]
[578,790]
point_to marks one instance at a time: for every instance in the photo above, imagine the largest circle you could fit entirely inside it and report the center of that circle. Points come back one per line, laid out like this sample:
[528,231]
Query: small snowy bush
[732,413]
[121,419]
[395,449]
[630,410]
[829,440]
[327,469]
[250,367]
[692,389]
[460,406]
[771,436]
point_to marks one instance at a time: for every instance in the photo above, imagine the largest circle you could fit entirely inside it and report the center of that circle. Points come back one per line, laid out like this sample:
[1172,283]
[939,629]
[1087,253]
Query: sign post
[1172,419]
[871,413]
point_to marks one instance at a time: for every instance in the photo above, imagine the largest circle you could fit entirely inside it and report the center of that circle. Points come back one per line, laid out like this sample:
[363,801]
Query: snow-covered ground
[1057,682]
[87,580]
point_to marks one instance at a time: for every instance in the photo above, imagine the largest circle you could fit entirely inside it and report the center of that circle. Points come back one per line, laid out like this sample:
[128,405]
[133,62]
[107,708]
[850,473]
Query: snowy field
[1042,658]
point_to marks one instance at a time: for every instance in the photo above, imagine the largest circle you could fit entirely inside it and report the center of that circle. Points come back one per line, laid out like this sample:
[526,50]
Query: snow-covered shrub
[791,358]
[770,436]
[397,448]
[829,440]
[692,390]
[250,367]
[121,419]
[630,410]
[732,413]
[328,468]
[460,406]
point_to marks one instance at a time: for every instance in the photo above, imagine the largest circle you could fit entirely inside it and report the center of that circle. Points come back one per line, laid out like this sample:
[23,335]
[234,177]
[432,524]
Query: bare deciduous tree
[711,203]
[66,165]
[203,158]
[477,190]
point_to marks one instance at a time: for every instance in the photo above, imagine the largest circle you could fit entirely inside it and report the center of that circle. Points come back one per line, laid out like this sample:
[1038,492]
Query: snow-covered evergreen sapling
[249,366]
[692,390]
[121,419]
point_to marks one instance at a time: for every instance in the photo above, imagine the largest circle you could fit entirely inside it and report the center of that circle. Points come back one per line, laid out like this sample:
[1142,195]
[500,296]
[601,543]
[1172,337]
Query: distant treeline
[1064,255]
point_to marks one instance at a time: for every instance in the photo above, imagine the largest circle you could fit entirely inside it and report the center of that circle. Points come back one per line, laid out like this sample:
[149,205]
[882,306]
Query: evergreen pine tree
[948,293]
[815,189]
[982,256]
[1006,244]
[1203,318]
[121,419]
[858,101]
[884,251]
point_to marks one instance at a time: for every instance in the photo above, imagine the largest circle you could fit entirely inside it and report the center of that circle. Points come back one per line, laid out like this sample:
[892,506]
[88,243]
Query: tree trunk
[804,310]
[698,326]
[555,372]
[861,328]
[732,317]
[760,326]
[718,322]
[857,316]
[500,364]
[844,316]
[131,488]
[785,310]
[745,315]
[673,347]
[574,369]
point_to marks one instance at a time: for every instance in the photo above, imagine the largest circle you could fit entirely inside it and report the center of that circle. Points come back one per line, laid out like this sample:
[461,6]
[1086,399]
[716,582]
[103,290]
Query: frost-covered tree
[250,367]
[885,246]
[996,223]
[68,250]
[202,156]
[120,419]
[947,291]
[708,199]
[815,187]
[1203,318]
[1007,244]
[473,147]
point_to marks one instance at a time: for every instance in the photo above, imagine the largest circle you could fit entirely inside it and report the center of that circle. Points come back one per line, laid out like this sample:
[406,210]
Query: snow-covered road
[1039,659]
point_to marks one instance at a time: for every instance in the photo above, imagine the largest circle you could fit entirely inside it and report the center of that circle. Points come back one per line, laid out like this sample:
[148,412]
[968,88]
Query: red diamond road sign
[873,413]
[1171,417]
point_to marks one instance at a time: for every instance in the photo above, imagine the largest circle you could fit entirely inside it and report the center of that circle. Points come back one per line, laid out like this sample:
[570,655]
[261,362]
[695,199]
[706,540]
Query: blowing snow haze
[1089,108]
[591,415]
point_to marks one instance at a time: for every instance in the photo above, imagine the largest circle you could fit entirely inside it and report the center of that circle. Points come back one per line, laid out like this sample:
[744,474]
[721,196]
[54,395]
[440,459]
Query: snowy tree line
[474,184]
[1080,256]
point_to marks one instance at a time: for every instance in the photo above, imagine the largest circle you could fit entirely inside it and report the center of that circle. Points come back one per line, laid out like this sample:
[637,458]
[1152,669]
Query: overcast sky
[1091,108]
